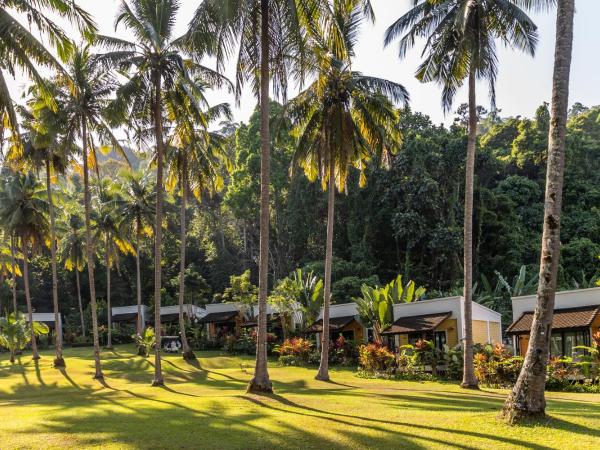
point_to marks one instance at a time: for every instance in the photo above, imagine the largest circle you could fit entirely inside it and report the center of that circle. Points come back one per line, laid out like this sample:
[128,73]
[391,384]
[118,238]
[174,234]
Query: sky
[523,82]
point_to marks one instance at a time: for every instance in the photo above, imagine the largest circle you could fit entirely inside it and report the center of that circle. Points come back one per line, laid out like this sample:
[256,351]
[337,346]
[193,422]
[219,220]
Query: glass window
[556,341]
[439,339]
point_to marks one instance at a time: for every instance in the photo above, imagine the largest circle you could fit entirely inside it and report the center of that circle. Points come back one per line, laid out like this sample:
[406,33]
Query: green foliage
[375,358]
[15,332]
[146,341]
[241,290]
[376,305]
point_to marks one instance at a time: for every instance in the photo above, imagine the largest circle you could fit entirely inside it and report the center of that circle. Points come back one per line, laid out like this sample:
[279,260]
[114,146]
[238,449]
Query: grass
[206,407]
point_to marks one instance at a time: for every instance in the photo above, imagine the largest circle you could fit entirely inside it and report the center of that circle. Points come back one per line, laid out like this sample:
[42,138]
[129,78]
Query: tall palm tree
[268,38]
[343,119]
[8,265]
[44,148]
[107,228]
[193,163]
[527,397]
[23,211]
[460,44]
[72,252]
[155,65]
[136,206]
[84,95]
[21,50]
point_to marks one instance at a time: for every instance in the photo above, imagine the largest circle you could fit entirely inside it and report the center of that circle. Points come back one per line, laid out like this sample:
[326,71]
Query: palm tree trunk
[98,375]
[58,358]
[323,373]
[158,377]
[80,302]
[14,273]
[469,379]
[28,296]
[109,310]
[138,282]
[188,354]
[527,397]
[261,382]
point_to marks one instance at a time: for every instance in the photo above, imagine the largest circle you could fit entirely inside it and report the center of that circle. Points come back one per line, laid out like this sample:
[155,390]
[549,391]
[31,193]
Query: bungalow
[48,319]
[343,320]
[222,319]
[129,314]
[170,314]
[442,321]
[576,318]
[274,324]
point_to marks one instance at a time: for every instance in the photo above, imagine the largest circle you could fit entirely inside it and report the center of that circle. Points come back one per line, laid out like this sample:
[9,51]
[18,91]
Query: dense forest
[407,219]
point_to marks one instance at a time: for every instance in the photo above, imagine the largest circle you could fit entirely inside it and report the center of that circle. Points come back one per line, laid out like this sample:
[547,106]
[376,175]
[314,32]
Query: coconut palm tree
[154,64]
[527,397]
[107,229]
[44,148]
[84,94]
[193,164]
[8,265]
[136,207]
[268,38]
[21,50]
[23,211]
[460,44]
[342,120]
[16,333]
[72,250]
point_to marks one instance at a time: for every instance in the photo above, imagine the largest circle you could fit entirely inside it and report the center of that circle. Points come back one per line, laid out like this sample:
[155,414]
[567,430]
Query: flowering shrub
[496,367]
[294,346]
[375,358]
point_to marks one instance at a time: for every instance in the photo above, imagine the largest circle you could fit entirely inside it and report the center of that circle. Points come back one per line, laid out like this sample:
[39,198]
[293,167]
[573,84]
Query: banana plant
[376,306]
[15,333]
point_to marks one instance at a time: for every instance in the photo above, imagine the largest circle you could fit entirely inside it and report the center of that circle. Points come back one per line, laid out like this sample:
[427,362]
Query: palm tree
[193,162]
[107,228]
[343,119]
[20,49]
[16,333]
[44,148]
[527,397]
[84,95]
[136,206]
[154,65]
[23,212]
[8,266]
[460,44]
[72,252]
[267,36]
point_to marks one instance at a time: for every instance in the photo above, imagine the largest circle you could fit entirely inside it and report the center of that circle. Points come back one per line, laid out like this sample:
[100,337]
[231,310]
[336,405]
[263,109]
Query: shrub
[375,358]
[145,341]
[294,351]
[496,367]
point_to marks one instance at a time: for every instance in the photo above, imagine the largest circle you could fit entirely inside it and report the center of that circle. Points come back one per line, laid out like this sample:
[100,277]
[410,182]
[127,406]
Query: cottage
[48,319]
[129,314]
[442,321]
[343,320]
[576,318]
[221,320]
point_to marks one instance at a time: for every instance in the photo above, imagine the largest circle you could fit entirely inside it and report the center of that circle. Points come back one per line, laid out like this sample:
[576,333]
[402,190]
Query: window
[439,339]
[563,342]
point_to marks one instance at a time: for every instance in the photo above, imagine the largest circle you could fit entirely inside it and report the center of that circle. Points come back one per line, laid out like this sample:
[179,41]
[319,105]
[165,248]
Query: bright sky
[523,82]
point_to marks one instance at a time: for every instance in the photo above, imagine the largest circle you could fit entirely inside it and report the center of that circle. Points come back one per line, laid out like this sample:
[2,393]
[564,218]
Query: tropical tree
[460,44]
[155,66]
[8,266]
[342,120]
[72,251]
[45,148]
[527,398]
[21,50]
[136,207]
[376,306]
[23,210]
[106,223]
[84,95]
[16,333]
[310,294]
[268,38]
[193,164]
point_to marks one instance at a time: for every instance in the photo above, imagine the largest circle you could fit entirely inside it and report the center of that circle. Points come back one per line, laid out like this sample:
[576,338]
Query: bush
[375,358]
[496,367]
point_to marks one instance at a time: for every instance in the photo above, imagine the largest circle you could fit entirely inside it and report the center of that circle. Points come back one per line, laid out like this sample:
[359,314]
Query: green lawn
[206,407]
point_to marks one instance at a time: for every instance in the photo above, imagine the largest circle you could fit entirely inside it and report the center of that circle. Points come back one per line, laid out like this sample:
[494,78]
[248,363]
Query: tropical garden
[123,184]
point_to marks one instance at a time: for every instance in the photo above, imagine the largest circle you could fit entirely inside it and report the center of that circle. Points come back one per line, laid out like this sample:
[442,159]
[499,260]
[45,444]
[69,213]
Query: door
[523,344]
